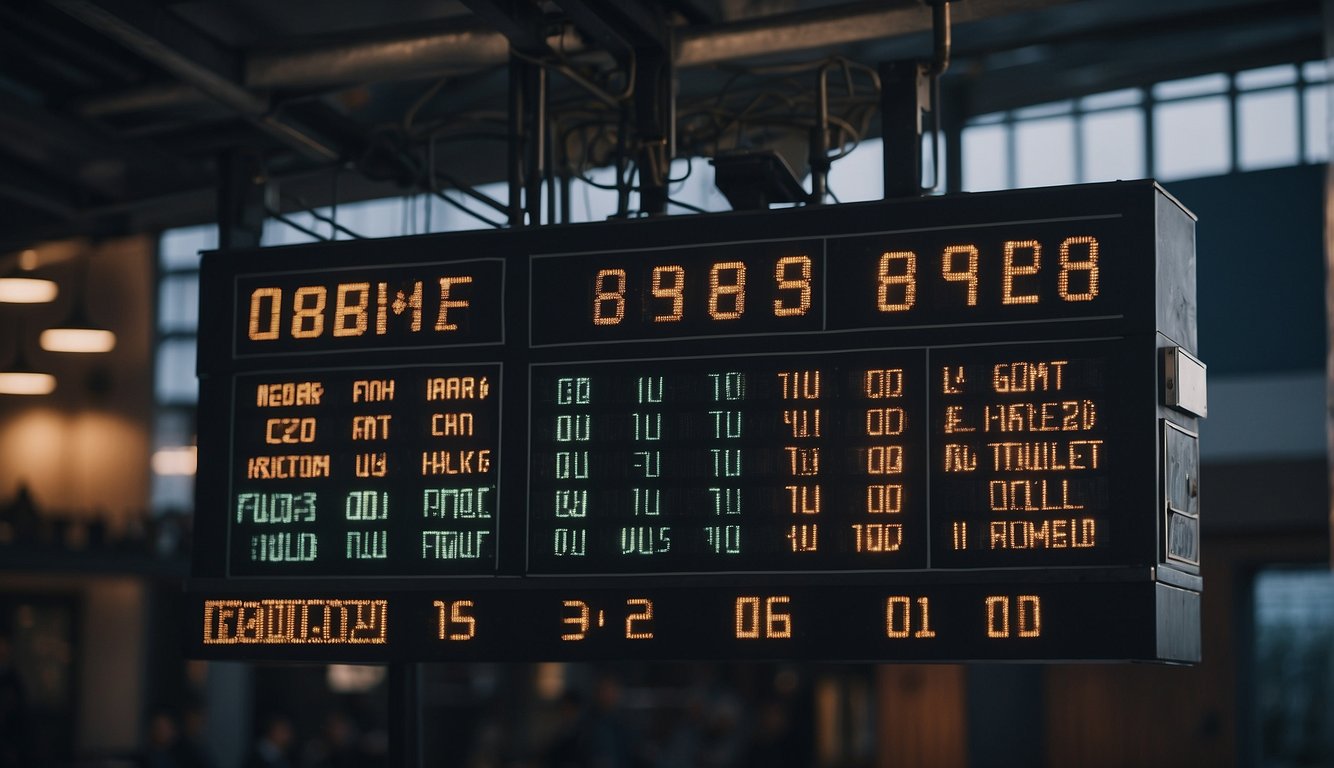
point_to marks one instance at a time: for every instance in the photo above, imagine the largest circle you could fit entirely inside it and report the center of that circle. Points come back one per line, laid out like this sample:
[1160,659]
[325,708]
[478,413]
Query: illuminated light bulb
[26,383]
[175,461]
[89,340]
[27,290]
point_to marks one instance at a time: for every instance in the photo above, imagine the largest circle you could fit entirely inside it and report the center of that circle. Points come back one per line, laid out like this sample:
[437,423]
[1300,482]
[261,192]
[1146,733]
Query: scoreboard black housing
[954,428]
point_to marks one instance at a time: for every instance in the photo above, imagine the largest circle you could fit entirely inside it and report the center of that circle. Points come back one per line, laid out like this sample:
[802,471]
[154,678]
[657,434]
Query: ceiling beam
[620,26]
[158,36]
[25,189]
[521,22]
[1105,61]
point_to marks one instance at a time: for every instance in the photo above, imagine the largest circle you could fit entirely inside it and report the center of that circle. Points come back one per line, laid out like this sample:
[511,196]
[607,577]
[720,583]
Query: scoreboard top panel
[904,267]
[950,404]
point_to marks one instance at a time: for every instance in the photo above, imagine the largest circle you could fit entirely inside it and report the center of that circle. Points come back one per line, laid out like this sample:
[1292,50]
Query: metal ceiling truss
[158,36]
[110,134]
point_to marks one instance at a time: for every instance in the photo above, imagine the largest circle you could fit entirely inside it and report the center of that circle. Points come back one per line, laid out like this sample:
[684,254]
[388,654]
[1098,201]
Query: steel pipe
[471,45]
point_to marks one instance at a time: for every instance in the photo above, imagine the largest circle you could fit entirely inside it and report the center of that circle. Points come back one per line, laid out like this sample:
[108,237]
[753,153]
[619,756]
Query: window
[986,157]
[1191,138]
[1045,151]
[174,385]
[1200,126]
[1112,143]
[1294,666]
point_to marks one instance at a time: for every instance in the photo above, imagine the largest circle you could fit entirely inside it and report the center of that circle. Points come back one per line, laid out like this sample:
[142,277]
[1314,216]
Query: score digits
[726,292]
[664,294]
[1021,260]
[357,308]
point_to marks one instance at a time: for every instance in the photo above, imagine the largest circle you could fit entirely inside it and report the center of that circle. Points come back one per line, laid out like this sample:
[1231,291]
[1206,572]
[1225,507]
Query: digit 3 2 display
[957,428]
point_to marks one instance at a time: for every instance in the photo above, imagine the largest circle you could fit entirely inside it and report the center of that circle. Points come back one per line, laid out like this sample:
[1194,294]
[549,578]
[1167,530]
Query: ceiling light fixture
[77,339]
[21,379]
[78,334]
[26,290]
[26,383]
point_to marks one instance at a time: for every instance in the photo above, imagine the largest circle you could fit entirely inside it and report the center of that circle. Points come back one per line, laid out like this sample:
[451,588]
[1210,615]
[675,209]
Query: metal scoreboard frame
[942,429]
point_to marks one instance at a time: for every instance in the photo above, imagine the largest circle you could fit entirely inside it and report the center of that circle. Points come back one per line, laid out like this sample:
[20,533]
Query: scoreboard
[958,428]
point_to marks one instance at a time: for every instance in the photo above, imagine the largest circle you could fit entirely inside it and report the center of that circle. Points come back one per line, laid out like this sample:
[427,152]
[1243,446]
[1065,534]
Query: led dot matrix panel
[936,429]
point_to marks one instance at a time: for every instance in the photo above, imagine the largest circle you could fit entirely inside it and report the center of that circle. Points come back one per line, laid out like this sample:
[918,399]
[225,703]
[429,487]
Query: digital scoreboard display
[956,428]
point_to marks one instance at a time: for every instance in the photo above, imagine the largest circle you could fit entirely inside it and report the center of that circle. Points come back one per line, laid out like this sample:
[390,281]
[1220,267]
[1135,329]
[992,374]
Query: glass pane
[1284,74]
[1045,152]
[178,303]
[1193,86]
[1317,125]
[1190,138]
[179,248]
[372,218]
[1045,110]
[1113,145]
[1267,124]
[988,119]
[1294,656]
[859,176]
[176,372]
[985,158]
[693,182]
[280,233]
[447,217]
[590,203]
[1314,71]
[1124,98]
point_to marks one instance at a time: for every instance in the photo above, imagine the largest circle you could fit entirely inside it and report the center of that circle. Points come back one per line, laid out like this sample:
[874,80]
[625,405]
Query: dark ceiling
[116,115]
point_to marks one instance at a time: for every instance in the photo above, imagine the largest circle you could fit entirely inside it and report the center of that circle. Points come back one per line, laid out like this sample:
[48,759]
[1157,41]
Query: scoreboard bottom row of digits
[1010,621]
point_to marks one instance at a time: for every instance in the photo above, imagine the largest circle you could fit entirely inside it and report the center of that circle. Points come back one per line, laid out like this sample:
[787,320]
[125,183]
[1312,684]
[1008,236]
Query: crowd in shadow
[597,722]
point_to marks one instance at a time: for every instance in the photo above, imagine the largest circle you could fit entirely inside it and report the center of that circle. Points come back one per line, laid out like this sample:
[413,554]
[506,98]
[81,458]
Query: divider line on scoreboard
[824,283]
[863,329]
[926,465]
[831,236]
[839,351]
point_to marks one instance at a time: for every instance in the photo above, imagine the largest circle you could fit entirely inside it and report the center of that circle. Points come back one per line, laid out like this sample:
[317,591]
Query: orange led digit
[877,537]
[719,290]
[355,309]
[307,318]
[768,619]
[1088,265]
[1010,271]
[779,624]
[889,296]
[580,620]
[613,296]
[1028,616]
[998,616]
[885,421]
[801,284]
[968,275]
[442,322]
[455,620]
[899,622]
[884,499]
[639,625]
[673,289]
[274,297]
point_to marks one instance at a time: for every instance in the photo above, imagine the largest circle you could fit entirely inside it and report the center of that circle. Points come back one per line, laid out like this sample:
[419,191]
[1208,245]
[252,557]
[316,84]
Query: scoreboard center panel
[921,430]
